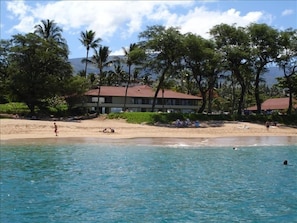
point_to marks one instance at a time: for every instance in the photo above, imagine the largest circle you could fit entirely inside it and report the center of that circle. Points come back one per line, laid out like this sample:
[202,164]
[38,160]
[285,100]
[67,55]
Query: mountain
[270,76]
[79,66]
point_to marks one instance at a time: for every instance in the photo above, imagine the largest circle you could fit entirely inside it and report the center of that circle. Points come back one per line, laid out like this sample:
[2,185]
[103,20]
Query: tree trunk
[158,88]
[127,86]
[31,107]
[162,99]
[233,96]
[257,93]
[289,112]
[240,102]
[210,93]
[211,86]
[86,65]
[203,106]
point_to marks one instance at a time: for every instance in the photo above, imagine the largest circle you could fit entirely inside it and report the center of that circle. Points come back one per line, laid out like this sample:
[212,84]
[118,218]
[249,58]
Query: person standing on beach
[56,129]
[267,125]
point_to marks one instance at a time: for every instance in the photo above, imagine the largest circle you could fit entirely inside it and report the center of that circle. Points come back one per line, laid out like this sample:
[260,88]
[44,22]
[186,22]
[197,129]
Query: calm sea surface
[90,182]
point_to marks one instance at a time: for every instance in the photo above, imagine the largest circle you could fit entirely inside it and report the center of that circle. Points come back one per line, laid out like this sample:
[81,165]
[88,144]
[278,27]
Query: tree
[38,69]
[204,63]
[89,41]
[294,86]
[163,47]
[134,55]
[100,60]
[75,87]
[117,76]
[264,49]
[49,30]
[233,42]
[287,61]
[4,52]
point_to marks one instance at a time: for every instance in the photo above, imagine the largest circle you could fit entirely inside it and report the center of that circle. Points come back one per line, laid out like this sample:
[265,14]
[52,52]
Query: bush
[164,118]
[134,117]
[167,118]
[22,109]
[14,108]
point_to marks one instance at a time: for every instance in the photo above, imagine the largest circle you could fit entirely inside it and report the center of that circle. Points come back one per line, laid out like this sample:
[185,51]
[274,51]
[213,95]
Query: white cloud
[200,20]
[104,17]
[18,8]
[22,13]
[287,12]
[117,52]
[123,18]
[26,25]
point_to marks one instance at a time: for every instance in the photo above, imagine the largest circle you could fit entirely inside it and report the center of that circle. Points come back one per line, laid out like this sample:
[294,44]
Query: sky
[118,23]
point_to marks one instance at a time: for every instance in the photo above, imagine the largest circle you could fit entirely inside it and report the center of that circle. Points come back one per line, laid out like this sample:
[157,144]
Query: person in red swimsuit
[56,129]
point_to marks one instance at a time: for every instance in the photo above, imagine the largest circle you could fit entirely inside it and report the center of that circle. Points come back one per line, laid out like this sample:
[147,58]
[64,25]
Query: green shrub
[133,117]
[22,109]
[167,118]
[14,108]
[60,110]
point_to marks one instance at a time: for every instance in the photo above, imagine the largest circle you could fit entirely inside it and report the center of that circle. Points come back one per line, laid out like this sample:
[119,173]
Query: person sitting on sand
[108,130]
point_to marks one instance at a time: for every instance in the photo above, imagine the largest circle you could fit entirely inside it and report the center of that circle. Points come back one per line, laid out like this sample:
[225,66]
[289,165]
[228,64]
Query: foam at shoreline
[164,141]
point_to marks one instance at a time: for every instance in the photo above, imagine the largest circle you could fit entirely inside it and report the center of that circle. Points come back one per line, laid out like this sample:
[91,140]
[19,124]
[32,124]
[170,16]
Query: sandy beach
[13,129]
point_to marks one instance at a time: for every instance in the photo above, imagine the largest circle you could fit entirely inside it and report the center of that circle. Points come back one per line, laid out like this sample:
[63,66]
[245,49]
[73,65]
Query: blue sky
[118,23]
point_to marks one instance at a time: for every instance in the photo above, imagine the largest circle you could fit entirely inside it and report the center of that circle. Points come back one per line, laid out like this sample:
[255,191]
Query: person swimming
[285,162]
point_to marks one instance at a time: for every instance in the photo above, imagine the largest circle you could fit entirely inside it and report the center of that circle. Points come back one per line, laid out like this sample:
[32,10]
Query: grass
[167,118]
[162,118]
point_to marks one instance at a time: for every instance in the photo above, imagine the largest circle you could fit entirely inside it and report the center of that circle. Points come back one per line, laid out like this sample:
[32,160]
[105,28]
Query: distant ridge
[79,66]
[269,76]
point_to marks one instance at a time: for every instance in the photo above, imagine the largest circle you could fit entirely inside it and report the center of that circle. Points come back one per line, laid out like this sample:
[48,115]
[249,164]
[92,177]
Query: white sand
[32,129]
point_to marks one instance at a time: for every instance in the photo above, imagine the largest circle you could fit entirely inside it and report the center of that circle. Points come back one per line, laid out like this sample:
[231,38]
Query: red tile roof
[274,104]
[142,91]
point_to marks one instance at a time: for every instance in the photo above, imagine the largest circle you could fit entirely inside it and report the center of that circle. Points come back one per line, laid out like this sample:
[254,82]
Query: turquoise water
[90,182]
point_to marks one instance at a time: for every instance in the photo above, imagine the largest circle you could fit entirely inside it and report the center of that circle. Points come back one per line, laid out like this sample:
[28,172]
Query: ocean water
[110,182]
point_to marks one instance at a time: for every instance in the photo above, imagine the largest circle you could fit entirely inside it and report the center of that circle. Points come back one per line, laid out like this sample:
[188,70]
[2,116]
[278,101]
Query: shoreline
[226,133]
[231,142]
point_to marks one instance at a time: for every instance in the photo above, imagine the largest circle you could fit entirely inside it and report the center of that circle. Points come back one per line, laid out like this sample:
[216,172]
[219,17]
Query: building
[139,99]
[274,104]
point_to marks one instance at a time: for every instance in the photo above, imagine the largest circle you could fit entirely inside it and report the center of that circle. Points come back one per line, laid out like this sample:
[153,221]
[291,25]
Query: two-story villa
[106,99]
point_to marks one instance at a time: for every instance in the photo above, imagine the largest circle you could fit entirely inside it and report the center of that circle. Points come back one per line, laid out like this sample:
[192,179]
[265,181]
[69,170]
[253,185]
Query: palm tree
[133,55]
[89,41]
[48,29]
[129,62]
[100,59]
[117,76]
